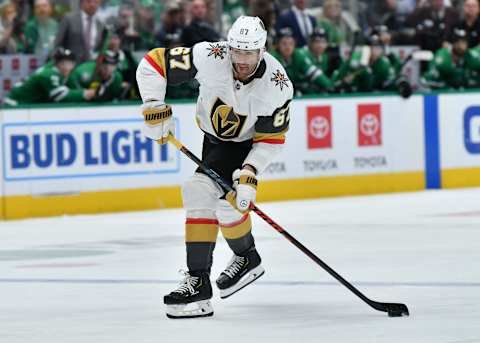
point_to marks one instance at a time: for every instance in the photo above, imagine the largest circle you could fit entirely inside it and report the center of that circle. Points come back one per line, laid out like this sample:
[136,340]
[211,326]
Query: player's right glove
[245,184]
[158,121]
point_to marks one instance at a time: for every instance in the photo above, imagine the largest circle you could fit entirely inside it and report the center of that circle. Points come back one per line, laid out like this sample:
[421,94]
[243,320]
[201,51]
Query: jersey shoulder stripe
[156,58]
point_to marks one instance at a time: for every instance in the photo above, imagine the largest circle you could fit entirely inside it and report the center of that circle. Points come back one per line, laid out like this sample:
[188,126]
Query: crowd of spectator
[324,46]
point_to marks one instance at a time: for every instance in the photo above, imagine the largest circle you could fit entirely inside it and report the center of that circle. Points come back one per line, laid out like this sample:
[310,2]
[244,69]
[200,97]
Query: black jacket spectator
[433,24]
[199,29]
[386,13]
[470,22]
[301,29]
[173,22]
[473,32]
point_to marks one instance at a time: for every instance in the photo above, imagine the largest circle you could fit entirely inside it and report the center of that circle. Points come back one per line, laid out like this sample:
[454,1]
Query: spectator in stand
[299,22]
[145,25]
[124,26]
[340,25]
[405,7]
[199,29]
[387,13]
[265,10]
[232,9]
[47,84]
[82,32]
[24,10]
[471,22]
[41,30]
[8,13]
[433,23]
[173,22]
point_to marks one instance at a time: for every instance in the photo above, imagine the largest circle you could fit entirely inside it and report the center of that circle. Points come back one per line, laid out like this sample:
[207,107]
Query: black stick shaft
[385,307]
[310,254]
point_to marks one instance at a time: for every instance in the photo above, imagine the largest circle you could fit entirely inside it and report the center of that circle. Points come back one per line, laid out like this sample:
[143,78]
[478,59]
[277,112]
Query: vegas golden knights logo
[225,121]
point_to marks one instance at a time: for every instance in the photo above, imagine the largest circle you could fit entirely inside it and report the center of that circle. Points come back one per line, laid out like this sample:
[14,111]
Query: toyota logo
[319,127]
[369,125]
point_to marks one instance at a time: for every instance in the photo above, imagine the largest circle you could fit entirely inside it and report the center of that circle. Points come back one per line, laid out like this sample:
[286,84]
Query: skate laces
[187,284]
[236,264]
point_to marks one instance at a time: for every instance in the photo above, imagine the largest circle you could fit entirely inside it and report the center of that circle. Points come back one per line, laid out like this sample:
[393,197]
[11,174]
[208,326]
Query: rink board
[85,159]
[459,131]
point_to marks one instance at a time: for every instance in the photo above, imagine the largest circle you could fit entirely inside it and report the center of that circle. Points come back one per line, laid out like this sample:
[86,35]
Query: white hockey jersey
[227,109]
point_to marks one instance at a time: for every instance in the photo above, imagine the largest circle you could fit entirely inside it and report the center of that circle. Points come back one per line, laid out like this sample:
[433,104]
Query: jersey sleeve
[73,80]
[160,67]
[272,129]
[58,92]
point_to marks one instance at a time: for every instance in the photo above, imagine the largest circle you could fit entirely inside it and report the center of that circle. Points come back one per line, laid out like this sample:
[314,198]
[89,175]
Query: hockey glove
[158,121]
[245,184]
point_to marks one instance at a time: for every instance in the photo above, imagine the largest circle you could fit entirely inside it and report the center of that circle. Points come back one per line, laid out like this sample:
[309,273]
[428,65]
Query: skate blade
[247,279]
[196,309]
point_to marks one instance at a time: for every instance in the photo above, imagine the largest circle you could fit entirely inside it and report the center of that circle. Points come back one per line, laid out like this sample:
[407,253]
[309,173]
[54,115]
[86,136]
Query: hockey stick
[393,309]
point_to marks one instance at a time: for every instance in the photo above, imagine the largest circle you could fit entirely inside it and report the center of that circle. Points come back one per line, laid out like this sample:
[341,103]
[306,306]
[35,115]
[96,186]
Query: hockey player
[47,84]
[366,74]
[243,111]
[102,77]
[457,67]
[386,39]
[318,52]
[306,76]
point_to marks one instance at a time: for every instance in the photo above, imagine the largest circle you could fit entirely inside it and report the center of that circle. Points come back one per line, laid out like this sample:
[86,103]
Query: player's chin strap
[393,309]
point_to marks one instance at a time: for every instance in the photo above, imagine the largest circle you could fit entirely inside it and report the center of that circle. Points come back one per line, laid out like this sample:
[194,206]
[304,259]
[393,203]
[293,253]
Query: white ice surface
[101,279]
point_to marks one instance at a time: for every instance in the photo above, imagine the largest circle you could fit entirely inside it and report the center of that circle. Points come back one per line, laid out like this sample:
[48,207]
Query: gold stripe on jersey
[156,58]
[237,229]
[272,138]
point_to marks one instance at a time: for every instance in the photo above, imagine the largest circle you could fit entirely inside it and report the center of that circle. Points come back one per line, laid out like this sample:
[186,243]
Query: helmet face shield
[240,56]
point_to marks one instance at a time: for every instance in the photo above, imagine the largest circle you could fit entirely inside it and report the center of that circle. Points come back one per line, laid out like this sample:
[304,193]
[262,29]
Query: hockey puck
[397,314]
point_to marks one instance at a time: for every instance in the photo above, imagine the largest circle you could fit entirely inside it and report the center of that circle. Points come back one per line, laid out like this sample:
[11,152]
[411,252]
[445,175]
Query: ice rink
[101,278]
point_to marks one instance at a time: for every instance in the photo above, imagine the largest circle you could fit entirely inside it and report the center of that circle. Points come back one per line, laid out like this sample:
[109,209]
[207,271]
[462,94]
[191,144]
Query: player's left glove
[245,184]
[158,121]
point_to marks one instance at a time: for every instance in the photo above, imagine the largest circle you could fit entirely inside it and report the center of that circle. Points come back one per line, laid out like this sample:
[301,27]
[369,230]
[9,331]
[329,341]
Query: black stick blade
[397,310]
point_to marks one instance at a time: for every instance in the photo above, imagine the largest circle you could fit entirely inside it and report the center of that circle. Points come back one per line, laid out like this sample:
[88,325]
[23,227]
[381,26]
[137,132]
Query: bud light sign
[72,149]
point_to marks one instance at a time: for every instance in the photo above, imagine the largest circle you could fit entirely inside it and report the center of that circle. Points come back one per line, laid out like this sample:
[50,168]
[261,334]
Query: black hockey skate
[241,271]
[191,298]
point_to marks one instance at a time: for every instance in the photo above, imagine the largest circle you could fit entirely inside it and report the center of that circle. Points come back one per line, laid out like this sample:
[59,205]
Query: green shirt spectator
[340,25]
[40,30]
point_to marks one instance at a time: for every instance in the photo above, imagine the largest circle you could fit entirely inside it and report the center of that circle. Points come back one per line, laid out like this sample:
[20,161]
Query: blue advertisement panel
[82,148]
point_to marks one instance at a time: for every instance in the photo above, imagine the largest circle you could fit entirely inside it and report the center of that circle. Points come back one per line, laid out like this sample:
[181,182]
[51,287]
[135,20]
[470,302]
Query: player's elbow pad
[151,84]
[262,154]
